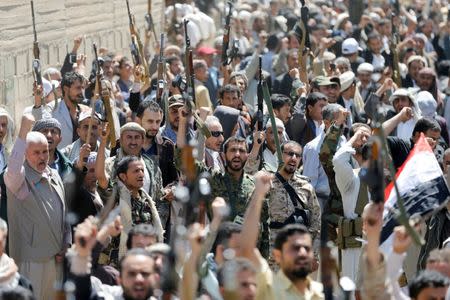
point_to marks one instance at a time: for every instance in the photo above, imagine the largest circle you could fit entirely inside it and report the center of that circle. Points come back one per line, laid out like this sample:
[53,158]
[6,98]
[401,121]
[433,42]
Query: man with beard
[150,115]
[137,270]
[131,142]
[137,207]
[347,162]
[68,110]
[269,155]
[51,129]
[72,151]
[292,198]
[36,210]
[234,185]
[170,129]
[293,251]
[213,145]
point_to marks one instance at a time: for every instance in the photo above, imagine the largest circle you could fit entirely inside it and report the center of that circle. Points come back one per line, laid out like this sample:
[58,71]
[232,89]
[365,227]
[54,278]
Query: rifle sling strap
[291,191]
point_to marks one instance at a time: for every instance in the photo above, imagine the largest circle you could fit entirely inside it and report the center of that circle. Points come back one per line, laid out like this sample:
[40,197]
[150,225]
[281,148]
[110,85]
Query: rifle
[98,78]
[149,19]
[137,48]
[226,37]
[36,52]
[302,33]
[395,59]
[190,80]
[259,113]
[161,65]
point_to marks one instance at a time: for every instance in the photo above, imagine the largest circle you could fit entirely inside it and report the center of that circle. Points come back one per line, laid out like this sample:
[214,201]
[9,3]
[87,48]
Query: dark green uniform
[333,207]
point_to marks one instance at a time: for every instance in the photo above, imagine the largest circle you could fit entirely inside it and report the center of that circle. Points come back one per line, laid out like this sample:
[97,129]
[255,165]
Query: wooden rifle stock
[137,48]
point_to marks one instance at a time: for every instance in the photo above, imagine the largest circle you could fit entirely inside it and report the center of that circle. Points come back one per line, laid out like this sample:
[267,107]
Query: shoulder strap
[290,190]
[363,198]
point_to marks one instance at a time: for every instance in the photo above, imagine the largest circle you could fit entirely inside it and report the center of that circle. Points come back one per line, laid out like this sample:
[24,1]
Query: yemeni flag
[421,185]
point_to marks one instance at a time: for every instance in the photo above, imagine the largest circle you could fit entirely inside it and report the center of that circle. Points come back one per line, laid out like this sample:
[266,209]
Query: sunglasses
[216,133]
[292,153]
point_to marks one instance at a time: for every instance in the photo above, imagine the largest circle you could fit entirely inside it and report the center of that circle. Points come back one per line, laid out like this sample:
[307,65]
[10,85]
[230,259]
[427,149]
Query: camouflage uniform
[237,194]
[156,187]
[333,208]
[141,213]
[281,206]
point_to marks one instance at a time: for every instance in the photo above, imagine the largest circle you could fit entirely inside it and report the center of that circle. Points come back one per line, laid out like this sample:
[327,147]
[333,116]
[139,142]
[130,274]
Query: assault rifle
[149,20]
[36,62]
[395,59]
[226,37]
[190,80]
[137,48]
[161,65]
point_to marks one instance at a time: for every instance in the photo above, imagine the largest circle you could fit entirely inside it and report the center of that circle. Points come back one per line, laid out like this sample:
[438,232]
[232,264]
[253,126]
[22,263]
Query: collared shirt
[217,163]
[278,286]
[348,106]
[270,159]
[312,168]
[319,127]
[55,164]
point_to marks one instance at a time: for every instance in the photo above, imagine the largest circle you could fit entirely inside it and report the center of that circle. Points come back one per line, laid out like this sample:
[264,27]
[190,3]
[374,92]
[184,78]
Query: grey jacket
[36,210]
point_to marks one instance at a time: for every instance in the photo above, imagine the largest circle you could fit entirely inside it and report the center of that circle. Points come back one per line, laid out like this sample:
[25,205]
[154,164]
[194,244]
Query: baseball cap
[323,81]
[176,100]
[350,46]
[205,50]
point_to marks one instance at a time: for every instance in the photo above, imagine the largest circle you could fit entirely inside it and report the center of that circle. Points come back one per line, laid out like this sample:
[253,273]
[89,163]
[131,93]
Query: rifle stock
[137,48]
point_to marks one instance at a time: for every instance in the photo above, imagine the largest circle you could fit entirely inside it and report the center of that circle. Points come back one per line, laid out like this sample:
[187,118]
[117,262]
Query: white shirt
[319,128]
[270,159]
[348,106]
[405,129]
[378,61]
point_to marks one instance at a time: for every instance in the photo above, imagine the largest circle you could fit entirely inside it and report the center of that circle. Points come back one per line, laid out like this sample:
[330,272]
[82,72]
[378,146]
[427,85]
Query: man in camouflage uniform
[333,209]
[282,207]
[136,207]
[131,142]
[234,185]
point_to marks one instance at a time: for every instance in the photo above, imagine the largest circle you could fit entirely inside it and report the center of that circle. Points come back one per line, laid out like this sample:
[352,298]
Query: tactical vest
[351,229]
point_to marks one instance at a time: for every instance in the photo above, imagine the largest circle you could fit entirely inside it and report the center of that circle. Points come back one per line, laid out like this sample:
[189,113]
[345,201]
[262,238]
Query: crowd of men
[102,176]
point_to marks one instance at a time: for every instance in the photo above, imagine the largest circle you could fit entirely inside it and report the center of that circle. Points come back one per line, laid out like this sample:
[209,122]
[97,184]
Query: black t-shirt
[399,149]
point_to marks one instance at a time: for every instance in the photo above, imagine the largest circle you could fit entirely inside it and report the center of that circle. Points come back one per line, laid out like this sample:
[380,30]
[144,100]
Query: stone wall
[104,22]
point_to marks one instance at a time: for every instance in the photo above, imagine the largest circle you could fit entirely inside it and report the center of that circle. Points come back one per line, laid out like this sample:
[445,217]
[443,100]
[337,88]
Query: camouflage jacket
[281,206]
[133,211]
[237,194]
[333,208]
[155,185]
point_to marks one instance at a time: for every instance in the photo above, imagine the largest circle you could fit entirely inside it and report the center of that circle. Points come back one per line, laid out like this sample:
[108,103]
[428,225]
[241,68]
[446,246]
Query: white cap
[346,79]
[47,86]
[365,68]
[278,123]
[329,56]
[427,104]
[350,46]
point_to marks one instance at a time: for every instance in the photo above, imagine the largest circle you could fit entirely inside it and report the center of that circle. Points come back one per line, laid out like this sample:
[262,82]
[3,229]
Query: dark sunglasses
[292,153]
[216,133]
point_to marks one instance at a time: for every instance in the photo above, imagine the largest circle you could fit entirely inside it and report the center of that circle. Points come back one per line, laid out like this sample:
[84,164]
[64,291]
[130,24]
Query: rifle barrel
[34,25]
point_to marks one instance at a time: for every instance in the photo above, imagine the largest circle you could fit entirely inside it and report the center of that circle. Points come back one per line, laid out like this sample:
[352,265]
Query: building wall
[104,22]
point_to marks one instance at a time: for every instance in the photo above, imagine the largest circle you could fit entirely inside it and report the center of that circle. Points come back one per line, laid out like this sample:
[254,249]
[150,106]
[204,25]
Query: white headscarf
[8,140]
